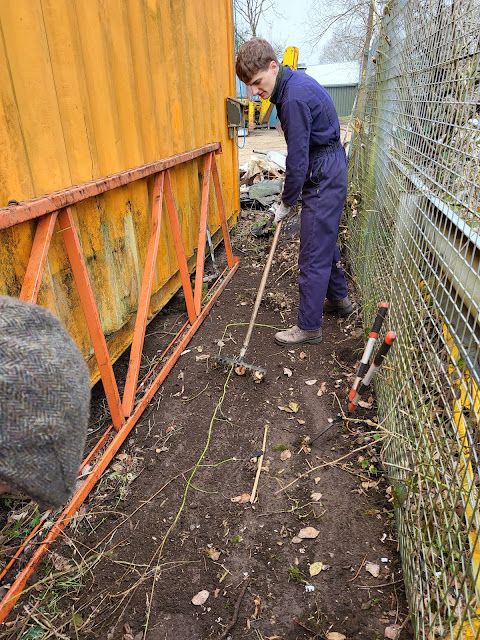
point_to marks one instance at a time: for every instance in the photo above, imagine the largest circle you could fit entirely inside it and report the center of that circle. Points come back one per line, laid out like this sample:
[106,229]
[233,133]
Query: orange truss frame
[125,413]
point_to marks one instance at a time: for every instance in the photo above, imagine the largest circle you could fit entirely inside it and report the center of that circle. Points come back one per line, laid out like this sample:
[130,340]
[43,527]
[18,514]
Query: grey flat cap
[44,403]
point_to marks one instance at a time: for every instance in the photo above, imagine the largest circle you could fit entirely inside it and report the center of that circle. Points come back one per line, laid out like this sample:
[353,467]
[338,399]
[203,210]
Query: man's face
[263,82]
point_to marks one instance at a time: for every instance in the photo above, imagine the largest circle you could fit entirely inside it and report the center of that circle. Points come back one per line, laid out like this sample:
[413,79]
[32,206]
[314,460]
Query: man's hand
[281,211]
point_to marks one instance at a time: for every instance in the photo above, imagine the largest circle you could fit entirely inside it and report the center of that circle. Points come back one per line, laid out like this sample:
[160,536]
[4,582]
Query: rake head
[241,367]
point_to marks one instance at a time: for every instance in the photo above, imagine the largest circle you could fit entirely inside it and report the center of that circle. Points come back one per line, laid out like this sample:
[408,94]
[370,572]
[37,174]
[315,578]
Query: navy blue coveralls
[316,168]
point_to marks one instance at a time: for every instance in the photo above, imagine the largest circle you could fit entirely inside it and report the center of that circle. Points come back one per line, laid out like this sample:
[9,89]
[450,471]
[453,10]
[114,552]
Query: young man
[317,169]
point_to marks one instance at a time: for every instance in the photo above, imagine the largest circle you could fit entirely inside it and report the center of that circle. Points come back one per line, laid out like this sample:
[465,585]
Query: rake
[239,364]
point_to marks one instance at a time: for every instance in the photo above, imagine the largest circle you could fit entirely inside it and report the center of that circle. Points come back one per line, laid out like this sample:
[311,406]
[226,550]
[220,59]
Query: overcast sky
[291,28]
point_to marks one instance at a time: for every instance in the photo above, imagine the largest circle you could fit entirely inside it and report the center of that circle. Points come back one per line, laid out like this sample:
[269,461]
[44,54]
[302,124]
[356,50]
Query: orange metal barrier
[124,411]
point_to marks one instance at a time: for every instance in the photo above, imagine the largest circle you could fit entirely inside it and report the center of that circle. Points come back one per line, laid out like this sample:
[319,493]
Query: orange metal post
[145,295]
[202,234]
[221,211]
[38,257]
[178,242]
[79,269]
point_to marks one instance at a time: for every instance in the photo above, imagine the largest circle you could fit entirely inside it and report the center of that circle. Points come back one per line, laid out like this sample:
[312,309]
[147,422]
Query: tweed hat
[44,403]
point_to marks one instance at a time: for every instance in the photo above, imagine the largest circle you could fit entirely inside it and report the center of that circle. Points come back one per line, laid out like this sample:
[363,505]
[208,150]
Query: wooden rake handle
[261,289]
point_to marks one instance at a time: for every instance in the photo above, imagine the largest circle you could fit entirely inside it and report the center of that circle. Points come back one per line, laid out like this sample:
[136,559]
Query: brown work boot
[295,335]
[344,307]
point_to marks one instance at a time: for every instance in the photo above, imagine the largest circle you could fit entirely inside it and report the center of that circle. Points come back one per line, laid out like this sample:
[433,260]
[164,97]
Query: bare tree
[345,21]
[250,12]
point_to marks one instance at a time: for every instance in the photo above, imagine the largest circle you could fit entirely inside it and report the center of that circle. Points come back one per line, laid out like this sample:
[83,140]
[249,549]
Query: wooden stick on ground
[259,467]
[235,611]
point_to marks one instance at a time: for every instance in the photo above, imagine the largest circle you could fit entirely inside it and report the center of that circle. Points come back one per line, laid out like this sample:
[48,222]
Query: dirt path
[167,519]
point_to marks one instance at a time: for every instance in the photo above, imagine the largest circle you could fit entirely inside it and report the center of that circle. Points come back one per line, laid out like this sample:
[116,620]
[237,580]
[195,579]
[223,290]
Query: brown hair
[254,56]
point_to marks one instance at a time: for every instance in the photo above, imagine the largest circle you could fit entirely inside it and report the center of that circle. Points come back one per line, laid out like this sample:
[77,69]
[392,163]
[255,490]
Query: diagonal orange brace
[38,257]
[202,234]
[145,296]
[179,248]
[221,211]
[79,269]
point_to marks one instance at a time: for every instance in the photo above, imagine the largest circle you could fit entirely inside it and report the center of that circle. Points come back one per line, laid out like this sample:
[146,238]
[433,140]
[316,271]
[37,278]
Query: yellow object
[290,58]
[89,88]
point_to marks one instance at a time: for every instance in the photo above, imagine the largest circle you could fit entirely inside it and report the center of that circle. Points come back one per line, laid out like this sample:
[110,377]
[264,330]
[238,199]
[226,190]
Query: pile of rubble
[261,179]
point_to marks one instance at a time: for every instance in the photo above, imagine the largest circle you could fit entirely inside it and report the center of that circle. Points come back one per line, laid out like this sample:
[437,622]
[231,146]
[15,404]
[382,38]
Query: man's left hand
[282,211]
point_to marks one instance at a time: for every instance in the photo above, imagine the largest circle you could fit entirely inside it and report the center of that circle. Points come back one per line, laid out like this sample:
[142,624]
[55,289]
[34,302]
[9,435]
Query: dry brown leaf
[308,533]
[310,382]
[365,405]
[287,372]
[334,635]
[323,389]
[121,456]
[296,540]
[245,497]
[200,598]
[392,632]
[213,553]
[171,428]
[316,497]
[300,421]
[204,356]
[285,455]
[372,568]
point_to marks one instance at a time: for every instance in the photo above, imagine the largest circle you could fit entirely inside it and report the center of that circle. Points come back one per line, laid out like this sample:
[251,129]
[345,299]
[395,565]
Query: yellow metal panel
[91,88]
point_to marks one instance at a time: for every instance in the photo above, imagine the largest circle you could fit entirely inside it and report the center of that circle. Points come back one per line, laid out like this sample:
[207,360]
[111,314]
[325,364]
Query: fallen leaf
[171,428]
[213,553]
[122,456]
[357,333]
[285,455]
[204,356]
[308,533]
[392,632]
[296,540]
[60,563]
[372,568]
[303,355]
[369,485]
[161,449]
[117,467]
[200,597]
[287,372]
[310,382]
[316,480]
[315,568]
[293,406]
[333,635]
[316,497]
[365,405]
[323,389]
[245,497]
[300,421]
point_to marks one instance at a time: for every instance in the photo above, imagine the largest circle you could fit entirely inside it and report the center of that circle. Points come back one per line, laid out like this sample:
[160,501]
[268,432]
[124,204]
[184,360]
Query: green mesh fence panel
[414,240]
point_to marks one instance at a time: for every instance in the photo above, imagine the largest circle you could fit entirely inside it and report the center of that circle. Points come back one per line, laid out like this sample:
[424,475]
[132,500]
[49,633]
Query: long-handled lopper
[239,363]
[363,364]
[365,382]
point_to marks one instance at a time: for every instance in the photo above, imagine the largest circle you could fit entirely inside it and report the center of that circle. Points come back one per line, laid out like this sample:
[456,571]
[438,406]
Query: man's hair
[254,56]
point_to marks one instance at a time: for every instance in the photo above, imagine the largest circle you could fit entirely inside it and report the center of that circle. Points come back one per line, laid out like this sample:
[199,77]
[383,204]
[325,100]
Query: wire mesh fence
[414,226]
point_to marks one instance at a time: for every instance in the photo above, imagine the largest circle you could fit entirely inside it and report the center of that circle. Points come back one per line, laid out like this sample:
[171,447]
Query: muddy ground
[168,518]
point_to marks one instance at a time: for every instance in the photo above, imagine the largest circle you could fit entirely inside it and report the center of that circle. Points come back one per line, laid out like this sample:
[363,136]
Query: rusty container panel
[92,88]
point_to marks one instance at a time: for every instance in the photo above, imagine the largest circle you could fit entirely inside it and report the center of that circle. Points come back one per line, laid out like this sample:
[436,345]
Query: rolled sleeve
[297,124]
